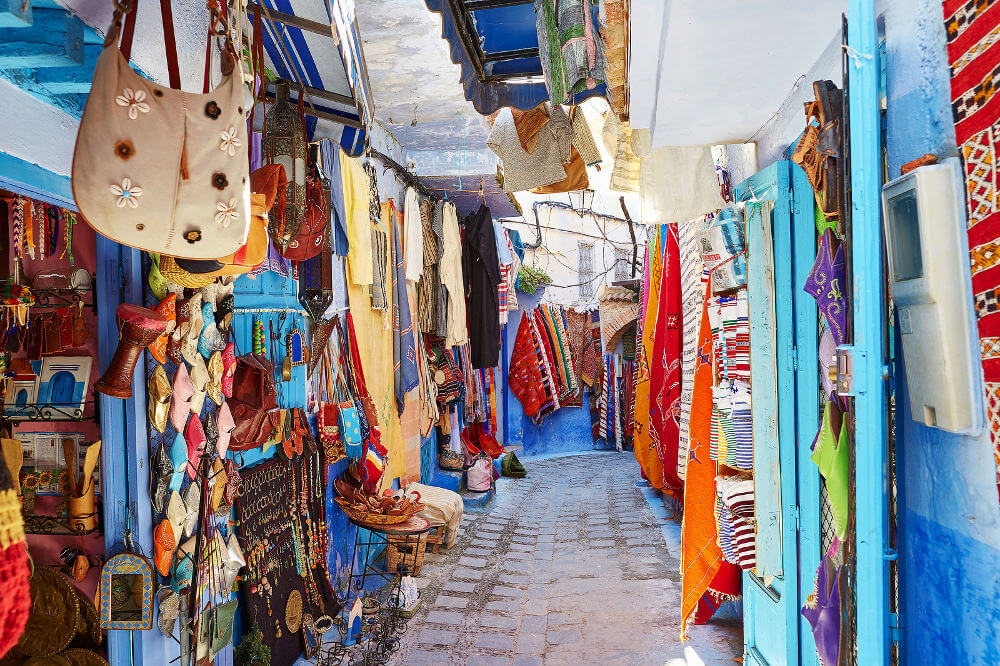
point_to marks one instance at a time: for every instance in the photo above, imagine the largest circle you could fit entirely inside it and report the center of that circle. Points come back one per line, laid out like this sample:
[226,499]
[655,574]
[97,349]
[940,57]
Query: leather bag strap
[169,40]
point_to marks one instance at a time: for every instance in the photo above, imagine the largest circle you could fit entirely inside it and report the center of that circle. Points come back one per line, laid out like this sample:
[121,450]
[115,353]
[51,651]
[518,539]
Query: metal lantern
[285,144]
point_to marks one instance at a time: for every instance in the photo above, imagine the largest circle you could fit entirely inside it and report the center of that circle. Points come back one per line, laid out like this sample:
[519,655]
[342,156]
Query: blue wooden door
[781,247]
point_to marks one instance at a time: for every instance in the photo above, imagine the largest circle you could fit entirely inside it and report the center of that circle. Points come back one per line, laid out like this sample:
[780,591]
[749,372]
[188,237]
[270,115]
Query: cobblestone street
[568,565]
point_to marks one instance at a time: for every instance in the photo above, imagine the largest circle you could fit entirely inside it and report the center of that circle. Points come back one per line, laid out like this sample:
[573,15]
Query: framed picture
[62,383]
[20,399]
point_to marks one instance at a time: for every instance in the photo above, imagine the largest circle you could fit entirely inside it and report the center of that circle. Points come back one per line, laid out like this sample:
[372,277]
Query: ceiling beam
[323,94]
[326,115]
[292,20]
[476,5]
[513,75]
[500,56]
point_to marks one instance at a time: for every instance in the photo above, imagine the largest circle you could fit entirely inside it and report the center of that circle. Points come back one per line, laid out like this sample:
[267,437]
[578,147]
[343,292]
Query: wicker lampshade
[285,144]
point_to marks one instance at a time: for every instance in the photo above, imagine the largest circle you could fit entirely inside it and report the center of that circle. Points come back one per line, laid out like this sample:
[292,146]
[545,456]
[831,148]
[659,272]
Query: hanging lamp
[285,144]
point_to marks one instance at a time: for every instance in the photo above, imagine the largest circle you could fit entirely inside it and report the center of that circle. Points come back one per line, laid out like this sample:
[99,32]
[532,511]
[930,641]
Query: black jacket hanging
[481,272]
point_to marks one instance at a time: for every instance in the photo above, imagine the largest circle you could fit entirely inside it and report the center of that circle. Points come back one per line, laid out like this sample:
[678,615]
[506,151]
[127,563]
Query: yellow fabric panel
[357,219]
[374,333]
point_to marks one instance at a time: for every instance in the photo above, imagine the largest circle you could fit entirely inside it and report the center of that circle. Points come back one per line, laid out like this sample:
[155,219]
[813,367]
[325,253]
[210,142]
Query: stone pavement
[567,566]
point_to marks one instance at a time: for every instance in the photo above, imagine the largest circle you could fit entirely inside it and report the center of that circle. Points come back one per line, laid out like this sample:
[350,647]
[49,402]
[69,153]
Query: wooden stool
[437,536]
[400,551]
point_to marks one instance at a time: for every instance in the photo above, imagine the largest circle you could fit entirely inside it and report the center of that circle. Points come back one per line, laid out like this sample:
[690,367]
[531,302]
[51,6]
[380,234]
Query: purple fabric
[825,616]
[826,283]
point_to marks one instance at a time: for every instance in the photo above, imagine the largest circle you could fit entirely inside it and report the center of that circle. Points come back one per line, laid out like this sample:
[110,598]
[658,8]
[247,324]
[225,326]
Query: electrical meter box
[925,234]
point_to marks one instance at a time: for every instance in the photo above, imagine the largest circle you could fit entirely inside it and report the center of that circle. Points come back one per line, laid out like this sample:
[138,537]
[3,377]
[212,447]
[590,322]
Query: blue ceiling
[496,44]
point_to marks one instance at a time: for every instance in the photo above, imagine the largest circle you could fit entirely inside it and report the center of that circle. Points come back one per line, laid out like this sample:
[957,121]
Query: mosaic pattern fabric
[972,30]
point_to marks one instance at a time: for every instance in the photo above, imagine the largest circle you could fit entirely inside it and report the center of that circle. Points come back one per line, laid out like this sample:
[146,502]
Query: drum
[138,327]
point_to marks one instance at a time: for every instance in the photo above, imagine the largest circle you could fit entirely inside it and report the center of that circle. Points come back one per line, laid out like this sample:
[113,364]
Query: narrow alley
[566,566]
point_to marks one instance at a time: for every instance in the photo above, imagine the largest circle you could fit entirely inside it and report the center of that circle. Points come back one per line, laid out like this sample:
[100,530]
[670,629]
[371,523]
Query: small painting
[62,383]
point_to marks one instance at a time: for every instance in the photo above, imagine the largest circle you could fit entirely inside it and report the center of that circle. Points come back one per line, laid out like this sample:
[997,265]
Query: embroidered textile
[665,370]
[701,558]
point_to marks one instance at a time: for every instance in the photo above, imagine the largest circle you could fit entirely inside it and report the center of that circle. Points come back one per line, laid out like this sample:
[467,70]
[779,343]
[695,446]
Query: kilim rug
[973,31]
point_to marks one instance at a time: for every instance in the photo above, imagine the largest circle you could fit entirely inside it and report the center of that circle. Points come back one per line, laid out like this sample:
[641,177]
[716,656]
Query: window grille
[586,252]
[623,264]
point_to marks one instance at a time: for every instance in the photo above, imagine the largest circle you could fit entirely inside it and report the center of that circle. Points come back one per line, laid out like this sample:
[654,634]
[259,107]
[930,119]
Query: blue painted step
[445,479]
[474,500]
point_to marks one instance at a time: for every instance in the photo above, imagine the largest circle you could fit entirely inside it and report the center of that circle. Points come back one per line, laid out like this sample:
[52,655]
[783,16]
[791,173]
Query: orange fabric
[576,177]
[645,450]
[700,553]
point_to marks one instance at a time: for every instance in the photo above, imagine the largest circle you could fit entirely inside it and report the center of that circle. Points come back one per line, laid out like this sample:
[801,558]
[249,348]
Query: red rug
[973,30]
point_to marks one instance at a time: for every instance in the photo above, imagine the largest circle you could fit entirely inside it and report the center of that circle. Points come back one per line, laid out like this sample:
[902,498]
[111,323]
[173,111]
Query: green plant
[529,279]
[251,651]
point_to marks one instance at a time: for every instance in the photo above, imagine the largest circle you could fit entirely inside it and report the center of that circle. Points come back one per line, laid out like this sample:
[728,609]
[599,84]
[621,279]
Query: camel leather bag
[158,168]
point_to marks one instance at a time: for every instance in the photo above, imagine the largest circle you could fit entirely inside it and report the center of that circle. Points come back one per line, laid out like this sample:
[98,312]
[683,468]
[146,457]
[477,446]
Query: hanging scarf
[701,557]
[18,210]
[645,450]
[404,351]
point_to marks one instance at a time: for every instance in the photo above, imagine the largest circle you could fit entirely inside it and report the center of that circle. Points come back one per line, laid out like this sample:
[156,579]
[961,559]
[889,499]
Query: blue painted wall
[949,518]
[566,430]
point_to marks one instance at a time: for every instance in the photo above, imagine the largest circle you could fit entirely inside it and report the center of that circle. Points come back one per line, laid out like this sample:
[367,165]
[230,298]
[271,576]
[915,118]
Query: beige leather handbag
[158,168]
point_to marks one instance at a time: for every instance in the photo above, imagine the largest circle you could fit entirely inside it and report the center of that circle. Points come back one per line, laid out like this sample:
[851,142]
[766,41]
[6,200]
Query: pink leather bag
[479,477]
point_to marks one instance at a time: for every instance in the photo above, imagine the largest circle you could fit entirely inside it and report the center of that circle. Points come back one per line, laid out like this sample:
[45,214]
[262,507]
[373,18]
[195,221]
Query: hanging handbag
[161,169]
[445,372]
[253,403]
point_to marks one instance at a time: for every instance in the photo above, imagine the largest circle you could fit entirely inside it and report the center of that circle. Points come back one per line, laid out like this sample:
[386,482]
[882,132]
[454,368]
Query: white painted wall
[714,72]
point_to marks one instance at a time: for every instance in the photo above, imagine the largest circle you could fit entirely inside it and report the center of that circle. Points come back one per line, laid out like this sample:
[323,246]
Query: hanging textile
[356,187]
[971,32]
[375,353]
[701,558]
[430,282]
[481,272]
[330,166]
[451,278]
[645,450]
[665,370]
[525,374]
[568,46]
[441,310]
[693,281]
[413,236]
[404,353]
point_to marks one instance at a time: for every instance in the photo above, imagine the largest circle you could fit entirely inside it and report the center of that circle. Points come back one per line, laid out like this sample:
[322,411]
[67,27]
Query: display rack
[42,411]
[384,621]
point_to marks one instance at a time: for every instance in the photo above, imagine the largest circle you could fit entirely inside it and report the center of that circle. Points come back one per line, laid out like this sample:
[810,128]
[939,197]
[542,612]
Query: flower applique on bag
[158,168]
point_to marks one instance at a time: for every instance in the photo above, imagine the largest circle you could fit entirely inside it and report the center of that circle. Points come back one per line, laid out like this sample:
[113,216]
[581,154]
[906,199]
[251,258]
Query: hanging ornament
[285,144]
[259,340]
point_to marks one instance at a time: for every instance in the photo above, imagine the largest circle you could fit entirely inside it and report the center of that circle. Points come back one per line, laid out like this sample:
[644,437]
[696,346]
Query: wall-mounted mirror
[295,347]
[127,593]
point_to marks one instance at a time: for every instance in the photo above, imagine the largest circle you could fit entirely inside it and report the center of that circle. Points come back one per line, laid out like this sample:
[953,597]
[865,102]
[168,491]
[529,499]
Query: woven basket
[370,518]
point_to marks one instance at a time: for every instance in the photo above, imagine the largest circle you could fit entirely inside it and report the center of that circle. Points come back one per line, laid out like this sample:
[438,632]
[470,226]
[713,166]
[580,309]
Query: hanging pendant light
[285,144]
